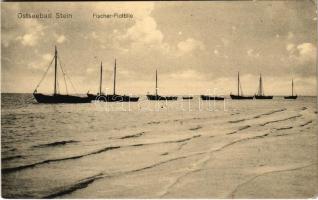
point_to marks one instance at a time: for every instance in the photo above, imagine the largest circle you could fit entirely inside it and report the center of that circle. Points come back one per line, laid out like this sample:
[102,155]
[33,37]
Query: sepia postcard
[159,99]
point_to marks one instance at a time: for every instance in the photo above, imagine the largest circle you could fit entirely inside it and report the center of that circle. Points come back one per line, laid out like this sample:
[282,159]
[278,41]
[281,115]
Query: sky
[197,47]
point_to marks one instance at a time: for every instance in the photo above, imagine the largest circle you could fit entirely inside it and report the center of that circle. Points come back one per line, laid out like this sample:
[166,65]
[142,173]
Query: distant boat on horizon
[292,96]
[239,95]
[110,97]
[56,97]
[260,94]
[206,97]
[157,97]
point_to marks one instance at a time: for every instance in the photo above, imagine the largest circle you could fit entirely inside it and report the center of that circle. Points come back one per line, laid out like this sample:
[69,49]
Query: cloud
[189,45]
[303,58]
[307,52]
[47,57]
[145,32]
[169,36]
[28,39]
[41,63]
[304,53]
[33,32]
[143,35]
[60,39]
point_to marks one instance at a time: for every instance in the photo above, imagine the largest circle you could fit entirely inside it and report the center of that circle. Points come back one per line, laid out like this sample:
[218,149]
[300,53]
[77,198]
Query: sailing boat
[292,96]
[205,97]
[260,93]
[56,97]
[157,97]
[121,98]
[239,95]
[111,97]
[99,96]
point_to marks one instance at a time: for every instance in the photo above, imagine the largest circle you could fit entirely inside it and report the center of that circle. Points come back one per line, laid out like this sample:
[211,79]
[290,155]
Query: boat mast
[260,85]
[101,78]
[292,87]
[55,69]
[115,78]
[238,84]
[156,84]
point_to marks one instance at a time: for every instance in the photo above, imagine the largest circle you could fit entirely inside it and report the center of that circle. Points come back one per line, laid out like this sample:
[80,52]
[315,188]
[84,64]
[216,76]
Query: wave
[230,133]
[58,143]
[239,129]
[284,128]
[177,120]
[21,167]
[71,188]
[165,142]
[269,113]
[11,157]
[132,136]
[258,116]
[236,121]
[305,124]
[85,182]
[153,123]
[281,120]
[244,127]
[195,128]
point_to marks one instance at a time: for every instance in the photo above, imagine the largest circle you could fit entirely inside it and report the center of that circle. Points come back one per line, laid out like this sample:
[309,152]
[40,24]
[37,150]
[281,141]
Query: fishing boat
[206,97]
[110,97]
[187,97]
[260,93]
[56,97]
[157,97]
[99,96]
[292,96]
[239,95]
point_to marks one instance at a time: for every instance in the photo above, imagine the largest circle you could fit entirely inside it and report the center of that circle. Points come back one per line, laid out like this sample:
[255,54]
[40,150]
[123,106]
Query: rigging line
[65,83]
[71,83]
[68,78]
[44,75]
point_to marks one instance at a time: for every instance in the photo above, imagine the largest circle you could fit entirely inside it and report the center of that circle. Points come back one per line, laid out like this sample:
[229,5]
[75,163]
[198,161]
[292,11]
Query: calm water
[47,149]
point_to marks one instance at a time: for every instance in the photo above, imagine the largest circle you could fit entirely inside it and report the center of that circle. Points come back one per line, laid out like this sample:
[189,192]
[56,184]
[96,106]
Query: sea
[155,149]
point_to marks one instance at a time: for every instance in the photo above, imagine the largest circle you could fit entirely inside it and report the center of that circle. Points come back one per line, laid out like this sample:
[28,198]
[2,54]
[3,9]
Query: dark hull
[159,98]
[290,97]
[112,98]
[238,97]
[204,97]
[263,97]
[187,97]
[59,98]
